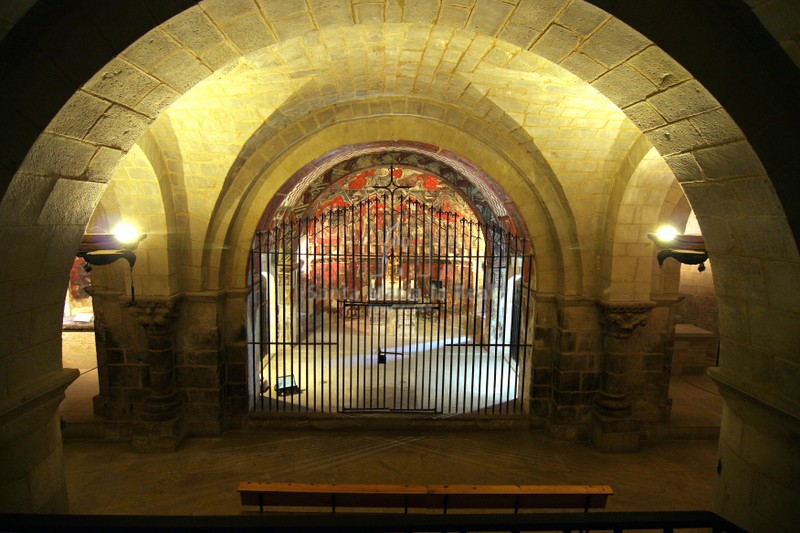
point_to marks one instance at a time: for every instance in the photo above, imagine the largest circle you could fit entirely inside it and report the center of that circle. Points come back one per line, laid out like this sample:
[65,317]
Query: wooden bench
[438,497]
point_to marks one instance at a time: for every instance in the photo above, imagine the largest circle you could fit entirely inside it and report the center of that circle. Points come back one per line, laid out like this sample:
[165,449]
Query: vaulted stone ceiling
[293,88]
[286,82]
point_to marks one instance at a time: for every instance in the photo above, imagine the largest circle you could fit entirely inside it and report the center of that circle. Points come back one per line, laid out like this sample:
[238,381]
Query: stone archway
[54,191]
[454,329]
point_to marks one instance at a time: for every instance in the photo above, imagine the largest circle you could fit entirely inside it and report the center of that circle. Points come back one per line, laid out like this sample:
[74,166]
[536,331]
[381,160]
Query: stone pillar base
[610,434]
[567,431]
[159,436]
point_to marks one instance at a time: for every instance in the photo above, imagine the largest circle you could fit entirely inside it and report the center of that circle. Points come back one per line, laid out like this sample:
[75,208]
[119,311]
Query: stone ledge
[615,435]
[669,431]
[35,393]
[323,421]
[757,405]
[685,331]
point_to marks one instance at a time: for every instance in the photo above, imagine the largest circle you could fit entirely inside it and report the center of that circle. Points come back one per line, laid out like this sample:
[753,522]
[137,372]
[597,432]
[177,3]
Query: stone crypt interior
[371,219]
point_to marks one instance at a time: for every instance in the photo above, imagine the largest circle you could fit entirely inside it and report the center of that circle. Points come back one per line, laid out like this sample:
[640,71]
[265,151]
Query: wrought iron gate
[390,306]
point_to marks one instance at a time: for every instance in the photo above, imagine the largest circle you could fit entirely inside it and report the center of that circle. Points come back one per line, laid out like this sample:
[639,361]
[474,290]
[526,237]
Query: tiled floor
[201,478]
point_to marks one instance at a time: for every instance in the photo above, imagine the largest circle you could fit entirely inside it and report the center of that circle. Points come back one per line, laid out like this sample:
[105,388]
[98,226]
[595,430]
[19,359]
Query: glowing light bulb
[126,233]
[666,233]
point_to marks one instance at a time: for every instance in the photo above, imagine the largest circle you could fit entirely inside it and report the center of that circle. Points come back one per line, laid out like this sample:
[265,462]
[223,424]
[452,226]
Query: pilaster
[760,442]
[576,367]
[159,424]
[32,477]
[614,428]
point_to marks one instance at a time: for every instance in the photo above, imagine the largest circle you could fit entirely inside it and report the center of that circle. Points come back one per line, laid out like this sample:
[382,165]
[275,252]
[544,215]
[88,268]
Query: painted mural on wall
[78,303]
[422,187]
[432,179]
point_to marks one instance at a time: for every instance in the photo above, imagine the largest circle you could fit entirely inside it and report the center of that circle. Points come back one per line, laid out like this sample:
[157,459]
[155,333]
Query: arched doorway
[382,300]
[744,221]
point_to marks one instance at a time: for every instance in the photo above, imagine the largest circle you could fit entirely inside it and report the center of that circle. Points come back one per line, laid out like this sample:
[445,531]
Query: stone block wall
[236,403]
[757,469]
[648,370]
[635,379]
[577,367]
[78,349]
[699,304]
[199,365]
[121,364]
[541,384]
[33,444]
[695,349]
[576,350]
[571,357]
[197,369]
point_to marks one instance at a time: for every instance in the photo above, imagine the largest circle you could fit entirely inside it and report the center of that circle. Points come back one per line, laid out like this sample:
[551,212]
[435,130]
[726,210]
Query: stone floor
[110,478]
[201,478]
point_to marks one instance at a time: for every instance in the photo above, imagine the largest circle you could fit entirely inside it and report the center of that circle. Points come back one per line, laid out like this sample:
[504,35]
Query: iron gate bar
[489,310]
[340,213]
[291,307]
[400,315]
[290,291]
[348,280]
[524,325]
[254,308]
[460,305]
[370,203]
[472,287]
[445,295]
[293,291]
[446,267]
[265,300]
[413,313]
[510,244]
[508,315]
[269,294]
[302,257]
[503,380]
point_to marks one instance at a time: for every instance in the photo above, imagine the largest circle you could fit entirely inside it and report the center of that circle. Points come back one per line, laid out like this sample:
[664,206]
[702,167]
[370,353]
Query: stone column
[32,473]
[614,429]
[159,424]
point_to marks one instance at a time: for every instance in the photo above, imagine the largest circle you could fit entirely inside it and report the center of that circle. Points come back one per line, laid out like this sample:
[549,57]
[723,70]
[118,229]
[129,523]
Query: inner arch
[486,198]
[376,287]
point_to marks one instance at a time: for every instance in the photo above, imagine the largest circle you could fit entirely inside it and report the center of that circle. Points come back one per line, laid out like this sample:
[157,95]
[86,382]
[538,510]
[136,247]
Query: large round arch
[68,139]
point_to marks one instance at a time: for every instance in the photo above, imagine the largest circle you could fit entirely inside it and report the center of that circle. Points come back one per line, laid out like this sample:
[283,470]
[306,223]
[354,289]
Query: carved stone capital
[155,314]
[620,319]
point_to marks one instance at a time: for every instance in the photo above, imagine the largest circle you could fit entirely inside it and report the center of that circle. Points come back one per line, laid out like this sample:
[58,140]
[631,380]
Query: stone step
[672,431]
[82,429]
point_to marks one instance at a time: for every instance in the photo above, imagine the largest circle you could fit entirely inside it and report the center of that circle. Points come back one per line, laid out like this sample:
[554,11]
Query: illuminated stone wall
[191,117]
[699,306]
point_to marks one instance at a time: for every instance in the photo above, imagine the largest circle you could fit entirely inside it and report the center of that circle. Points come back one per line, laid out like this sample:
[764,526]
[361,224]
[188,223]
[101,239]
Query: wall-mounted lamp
[100,249]
[686,249]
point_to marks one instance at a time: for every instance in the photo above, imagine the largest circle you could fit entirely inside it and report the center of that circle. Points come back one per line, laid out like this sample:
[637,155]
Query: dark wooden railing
[666,521]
